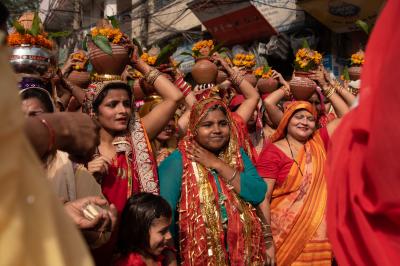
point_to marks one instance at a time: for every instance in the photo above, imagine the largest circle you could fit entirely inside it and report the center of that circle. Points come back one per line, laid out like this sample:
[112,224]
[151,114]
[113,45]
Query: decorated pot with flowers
[107,48]
[265,83]
[357,61]
[31,47]
[246,63]
[306,60]
[79,76]
[160,59]
[204,71]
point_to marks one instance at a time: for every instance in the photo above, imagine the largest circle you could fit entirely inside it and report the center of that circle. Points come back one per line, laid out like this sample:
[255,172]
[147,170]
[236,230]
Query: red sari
[363,165]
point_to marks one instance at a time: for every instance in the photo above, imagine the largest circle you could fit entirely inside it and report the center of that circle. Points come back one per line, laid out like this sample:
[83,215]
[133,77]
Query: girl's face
[213,131]
[302,125]
[168,131]
[115,110]
[159,235]
[32,107]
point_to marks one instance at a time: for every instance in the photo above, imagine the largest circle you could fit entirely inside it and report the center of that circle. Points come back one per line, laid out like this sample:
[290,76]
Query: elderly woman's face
[115,111]
[213,131]
[302,125]
[33,107]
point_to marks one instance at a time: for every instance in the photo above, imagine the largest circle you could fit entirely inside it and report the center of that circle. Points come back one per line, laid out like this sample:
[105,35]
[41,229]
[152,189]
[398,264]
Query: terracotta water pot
[267,85]
[79,78]
[355,72]
[204,71]
[108,64]
[301,86]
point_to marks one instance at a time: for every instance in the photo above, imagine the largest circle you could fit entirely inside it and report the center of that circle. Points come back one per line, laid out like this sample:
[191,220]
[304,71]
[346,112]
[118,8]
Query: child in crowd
[144,231]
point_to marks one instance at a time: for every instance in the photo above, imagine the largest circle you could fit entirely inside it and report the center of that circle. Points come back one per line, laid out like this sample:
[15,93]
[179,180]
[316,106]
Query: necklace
[291,152]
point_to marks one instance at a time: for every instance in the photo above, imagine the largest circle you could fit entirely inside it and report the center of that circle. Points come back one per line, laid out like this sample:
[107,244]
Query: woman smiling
[212,184]
[293,166]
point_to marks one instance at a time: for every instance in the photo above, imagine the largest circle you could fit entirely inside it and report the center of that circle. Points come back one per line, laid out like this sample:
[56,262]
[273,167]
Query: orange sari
[298,206]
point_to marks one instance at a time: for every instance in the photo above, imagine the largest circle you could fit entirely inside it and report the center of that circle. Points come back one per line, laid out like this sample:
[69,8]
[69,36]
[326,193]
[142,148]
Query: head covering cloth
[287,115]
[202,230]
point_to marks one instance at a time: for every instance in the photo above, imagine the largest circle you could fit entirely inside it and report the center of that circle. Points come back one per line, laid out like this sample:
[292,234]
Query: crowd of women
[199,173]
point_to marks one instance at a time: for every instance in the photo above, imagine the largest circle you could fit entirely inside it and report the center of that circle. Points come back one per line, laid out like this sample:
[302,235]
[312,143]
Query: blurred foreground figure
[34,230]
[364,169]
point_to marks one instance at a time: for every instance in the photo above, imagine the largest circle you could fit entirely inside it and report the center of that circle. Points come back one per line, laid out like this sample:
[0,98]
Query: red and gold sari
[133,168]
[298,206]
[205,239]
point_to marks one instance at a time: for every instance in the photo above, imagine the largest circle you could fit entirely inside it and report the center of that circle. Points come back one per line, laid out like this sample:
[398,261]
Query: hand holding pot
[278,76]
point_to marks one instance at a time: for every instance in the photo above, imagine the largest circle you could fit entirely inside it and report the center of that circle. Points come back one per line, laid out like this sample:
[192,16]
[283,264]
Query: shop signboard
[340,15]
[232,22]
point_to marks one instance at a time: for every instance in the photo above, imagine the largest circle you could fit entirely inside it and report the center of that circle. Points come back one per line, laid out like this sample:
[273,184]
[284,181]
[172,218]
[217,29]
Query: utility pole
[76,24]
[144,32]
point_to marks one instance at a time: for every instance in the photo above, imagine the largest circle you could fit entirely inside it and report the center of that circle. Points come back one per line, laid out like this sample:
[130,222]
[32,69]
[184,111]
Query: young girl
[143,234]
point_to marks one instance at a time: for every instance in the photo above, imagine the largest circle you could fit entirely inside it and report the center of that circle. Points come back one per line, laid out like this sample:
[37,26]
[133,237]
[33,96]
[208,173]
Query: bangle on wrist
[152,76]
[236,78]
[233,177]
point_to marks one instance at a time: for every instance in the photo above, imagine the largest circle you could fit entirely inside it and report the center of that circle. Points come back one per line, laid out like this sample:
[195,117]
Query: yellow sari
[298,206]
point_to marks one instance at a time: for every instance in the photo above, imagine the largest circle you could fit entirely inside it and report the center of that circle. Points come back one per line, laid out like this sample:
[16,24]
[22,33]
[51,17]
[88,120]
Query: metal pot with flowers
[357,61]
[31,46]
[265,83]
[246,63]
[108,47]
[306,60]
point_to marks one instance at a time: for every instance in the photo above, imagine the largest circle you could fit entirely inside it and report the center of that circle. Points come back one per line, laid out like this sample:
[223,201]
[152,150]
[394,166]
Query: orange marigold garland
[244,60]
[307,59]
[15,39]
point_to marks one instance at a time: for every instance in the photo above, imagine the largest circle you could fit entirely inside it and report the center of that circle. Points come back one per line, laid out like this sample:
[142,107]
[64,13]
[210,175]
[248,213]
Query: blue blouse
[252,186]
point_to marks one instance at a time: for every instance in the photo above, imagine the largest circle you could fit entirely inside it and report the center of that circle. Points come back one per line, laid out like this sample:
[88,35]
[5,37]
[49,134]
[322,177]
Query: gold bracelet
[329,92]
[236,79]
[286,90]
[152,76]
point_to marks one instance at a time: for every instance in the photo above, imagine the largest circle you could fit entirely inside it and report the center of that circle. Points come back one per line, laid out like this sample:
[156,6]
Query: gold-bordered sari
[298,206]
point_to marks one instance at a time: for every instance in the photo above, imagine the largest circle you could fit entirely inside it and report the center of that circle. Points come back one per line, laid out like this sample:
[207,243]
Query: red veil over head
[363,165]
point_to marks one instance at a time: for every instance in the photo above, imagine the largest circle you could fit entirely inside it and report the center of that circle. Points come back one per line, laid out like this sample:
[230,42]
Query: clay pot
[79,78]
[251,78]
[204,71]
[221,76]
[267,85]
[301,86]
[355,72]
[108,64]
[26,20]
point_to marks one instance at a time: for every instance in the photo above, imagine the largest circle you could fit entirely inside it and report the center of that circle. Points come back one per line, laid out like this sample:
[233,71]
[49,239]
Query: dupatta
[298,206]
[205,239]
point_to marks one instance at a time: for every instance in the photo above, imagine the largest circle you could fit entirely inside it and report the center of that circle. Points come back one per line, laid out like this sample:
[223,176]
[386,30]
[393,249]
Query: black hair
[218,107]
[4,14]
[137,217]
[104,92]
[42,96]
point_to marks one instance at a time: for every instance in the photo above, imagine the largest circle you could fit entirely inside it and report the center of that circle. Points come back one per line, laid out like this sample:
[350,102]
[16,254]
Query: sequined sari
[216,226]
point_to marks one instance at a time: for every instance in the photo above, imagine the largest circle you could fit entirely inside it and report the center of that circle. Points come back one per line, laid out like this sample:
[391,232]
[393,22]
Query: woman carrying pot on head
[293,167]
[166,141]
[125,164]
[211,185]
[325,101]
